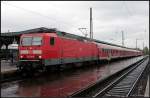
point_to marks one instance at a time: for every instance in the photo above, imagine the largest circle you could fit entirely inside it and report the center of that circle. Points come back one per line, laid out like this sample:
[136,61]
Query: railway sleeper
[124,86]
[133,76]
[120,92]
[119,89]
[116,95]
[111,95]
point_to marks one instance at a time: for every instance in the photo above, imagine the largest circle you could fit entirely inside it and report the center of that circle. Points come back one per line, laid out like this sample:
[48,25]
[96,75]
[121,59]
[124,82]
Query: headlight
[37,51]
[21,56]
[40,57]
[24,52]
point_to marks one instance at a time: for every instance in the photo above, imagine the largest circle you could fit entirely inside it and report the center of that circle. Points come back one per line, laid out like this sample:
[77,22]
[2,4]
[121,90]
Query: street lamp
[122,37]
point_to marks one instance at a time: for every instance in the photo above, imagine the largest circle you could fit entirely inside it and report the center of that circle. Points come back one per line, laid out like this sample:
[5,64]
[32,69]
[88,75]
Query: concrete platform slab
[7,67]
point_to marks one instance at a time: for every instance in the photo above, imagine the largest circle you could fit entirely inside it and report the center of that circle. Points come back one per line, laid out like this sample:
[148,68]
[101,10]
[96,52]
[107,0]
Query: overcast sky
[109,18]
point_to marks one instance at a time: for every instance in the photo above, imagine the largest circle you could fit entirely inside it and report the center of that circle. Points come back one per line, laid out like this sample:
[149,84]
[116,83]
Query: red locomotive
[51,47]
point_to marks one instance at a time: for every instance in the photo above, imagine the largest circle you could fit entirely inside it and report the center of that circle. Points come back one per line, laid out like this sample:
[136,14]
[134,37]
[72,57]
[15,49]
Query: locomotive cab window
[52,40]
[37,41]
[26,41]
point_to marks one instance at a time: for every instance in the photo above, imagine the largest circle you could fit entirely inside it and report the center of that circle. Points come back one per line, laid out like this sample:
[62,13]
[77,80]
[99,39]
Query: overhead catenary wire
[84,33]
[129,11]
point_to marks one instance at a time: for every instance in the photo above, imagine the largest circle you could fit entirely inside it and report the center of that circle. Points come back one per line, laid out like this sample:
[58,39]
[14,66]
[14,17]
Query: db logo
[30,51]
[30,56]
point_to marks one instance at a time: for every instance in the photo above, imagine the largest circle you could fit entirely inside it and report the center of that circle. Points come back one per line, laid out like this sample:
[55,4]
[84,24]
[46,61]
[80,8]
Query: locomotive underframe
[33,65]
[30,65]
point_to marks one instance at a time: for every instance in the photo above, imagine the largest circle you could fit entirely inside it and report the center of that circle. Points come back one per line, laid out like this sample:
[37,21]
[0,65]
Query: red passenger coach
[51,47]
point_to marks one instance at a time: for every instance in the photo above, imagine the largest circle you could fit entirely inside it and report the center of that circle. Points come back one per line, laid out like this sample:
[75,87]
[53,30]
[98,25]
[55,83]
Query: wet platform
[62,84]
[7,67]
[147,88]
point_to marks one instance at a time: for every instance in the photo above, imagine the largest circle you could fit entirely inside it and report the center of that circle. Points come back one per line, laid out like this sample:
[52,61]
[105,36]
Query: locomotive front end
[30,52]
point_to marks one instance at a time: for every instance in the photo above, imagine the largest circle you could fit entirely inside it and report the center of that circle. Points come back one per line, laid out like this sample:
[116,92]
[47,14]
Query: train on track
[50,47]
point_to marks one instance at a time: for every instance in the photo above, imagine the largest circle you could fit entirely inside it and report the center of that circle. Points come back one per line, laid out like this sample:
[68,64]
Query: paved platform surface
[7,66]
[147,88]
[62,84]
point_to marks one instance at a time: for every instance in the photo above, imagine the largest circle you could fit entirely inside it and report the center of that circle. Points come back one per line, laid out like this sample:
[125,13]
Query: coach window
[52,40]
[105,50]
[102,50]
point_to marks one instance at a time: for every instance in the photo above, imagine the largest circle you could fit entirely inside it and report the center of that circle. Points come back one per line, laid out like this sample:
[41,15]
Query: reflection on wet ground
[63,83]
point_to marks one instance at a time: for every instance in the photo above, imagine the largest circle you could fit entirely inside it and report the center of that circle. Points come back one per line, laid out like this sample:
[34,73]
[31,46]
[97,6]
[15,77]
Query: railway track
[120,84]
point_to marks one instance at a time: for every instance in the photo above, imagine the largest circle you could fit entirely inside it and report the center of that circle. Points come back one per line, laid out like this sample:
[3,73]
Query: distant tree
[138,49]
[146,51]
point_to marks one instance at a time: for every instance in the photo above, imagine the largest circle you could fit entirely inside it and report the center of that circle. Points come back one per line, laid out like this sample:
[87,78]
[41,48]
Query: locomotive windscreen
[29,41]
